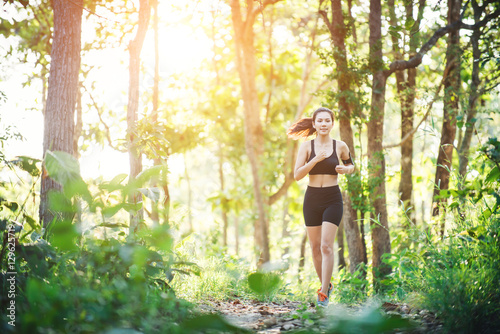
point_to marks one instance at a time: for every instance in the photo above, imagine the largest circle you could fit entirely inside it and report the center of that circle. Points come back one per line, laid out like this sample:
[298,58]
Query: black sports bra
[326,166]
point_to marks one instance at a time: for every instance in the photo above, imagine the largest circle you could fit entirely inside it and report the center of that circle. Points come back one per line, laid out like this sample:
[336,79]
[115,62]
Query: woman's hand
[322,155]
[344,169]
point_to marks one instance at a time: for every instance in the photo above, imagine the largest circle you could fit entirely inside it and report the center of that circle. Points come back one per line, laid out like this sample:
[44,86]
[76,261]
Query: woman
[323,205]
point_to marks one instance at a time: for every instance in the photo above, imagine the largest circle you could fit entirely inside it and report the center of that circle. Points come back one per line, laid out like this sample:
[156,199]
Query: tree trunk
[285,233]
[237,234]
[340,242]
[338,32]
[62,90]
[380,232]
[302,256]
[190,192]
[463,151]
[135,156]
[246,65]
[450,109]
[155,215]
[223,199]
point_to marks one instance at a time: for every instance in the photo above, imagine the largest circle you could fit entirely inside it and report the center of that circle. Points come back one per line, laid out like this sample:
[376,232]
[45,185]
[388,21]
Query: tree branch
[416,60]
[410,134]
[107,130]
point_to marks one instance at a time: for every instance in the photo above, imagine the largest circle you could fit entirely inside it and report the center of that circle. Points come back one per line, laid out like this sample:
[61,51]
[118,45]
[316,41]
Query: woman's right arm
[302,167]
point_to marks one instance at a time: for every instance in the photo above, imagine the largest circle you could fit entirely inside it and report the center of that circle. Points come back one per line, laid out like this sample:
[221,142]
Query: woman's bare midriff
[322,180]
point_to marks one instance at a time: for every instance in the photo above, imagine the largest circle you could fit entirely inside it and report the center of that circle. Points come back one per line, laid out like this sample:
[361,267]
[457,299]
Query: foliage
[351,288]
[458,277]
[99,285]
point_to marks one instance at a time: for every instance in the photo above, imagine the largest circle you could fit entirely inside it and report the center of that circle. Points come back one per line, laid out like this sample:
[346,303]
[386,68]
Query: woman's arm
[345,155]
[302,167]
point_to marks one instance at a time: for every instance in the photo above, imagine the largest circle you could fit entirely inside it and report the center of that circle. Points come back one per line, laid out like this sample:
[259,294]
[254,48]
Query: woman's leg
[314,235]
[328,233]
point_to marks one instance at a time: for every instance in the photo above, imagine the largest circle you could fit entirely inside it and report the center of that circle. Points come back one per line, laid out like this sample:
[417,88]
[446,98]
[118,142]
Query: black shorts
[323,205]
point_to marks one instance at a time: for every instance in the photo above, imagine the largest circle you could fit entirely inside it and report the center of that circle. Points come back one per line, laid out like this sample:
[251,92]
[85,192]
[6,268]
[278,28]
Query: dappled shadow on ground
[274,317]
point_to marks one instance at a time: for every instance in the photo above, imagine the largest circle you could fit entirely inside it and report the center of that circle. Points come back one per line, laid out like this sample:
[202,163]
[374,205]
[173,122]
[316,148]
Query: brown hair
[303,128]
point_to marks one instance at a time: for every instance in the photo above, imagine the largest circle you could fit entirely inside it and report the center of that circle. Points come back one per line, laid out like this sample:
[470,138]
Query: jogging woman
[323,205]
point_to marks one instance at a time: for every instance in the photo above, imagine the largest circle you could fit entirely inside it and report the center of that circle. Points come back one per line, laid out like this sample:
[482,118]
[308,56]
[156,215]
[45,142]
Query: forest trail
[260,317]
[273,317]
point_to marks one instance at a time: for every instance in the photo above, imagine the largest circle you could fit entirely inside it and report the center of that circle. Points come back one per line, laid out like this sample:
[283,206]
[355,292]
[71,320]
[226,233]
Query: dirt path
[272,317]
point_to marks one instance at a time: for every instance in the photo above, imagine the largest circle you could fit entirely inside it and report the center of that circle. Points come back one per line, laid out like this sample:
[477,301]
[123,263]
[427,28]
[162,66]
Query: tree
[406,90]
[452,84]
[135,158]
[338,31]
[484,76]
[380,232]
[254,145]
[62,90]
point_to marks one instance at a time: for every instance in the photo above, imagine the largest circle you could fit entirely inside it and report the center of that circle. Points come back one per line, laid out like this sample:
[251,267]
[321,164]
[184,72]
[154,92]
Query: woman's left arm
[345,155]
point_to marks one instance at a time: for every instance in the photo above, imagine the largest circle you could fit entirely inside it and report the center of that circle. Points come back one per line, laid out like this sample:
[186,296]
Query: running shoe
[322,299]
[330,289]
[329,292]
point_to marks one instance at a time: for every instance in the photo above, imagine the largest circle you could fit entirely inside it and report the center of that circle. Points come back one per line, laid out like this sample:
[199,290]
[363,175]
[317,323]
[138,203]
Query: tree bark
[135,156]
[450,109]
[380,232]
[62,90]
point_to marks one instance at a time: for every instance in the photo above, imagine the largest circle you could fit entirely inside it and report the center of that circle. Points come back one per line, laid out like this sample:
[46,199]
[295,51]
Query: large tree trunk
[62,91]
[135,156]
[450,109]
[380,232]
[338,31]
[246,64]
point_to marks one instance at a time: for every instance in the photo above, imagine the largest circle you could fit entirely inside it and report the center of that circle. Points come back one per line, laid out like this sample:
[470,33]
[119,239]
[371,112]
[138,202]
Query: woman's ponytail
[302,128]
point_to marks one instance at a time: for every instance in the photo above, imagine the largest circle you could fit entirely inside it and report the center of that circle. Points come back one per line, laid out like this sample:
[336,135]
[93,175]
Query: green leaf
[151,193]
[28,164]
[409,23]
[63,235]
[493,175]
[114,184]
[58,202]
[110,211]
[263,283]
[61,166]
[206,322]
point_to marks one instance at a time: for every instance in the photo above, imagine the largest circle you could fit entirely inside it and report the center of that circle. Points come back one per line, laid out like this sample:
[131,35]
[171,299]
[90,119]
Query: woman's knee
[326,249]
[316,250]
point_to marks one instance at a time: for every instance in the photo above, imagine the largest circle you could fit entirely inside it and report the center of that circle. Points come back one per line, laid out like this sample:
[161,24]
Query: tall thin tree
[450,109]
[246,64]
[380,232]
[135,157]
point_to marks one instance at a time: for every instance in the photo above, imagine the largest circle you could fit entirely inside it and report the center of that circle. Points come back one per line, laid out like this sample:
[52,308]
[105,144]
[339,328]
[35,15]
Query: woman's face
[323,123]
